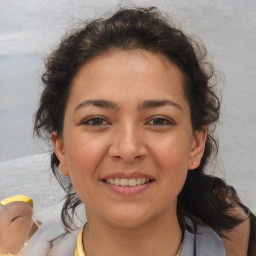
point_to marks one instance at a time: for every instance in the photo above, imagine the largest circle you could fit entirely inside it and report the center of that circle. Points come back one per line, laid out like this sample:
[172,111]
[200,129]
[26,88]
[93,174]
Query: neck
[160,236]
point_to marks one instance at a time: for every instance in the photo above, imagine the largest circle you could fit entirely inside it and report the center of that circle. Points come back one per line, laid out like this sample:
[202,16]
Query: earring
[193,163]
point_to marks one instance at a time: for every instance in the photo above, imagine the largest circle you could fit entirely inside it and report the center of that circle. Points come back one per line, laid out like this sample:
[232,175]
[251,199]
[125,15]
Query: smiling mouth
[128,182]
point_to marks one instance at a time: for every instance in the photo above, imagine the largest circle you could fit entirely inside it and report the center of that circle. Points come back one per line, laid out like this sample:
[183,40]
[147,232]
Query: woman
[130,108]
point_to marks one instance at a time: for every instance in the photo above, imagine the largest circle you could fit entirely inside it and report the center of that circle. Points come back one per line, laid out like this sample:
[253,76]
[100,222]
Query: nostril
[139,156]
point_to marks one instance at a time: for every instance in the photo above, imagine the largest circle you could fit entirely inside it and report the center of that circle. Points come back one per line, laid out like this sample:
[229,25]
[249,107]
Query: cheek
[83,155]
[172,157]
[173,150]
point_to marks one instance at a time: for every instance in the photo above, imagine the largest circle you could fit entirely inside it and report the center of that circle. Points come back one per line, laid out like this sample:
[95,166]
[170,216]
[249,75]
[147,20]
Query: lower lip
[128,191]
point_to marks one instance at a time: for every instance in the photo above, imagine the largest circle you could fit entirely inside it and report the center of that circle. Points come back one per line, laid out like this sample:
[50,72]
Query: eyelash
[99,121]
[94,121]
[163,121]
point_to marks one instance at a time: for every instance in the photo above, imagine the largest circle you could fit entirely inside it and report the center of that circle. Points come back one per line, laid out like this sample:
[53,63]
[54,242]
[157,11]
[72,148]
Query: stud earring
[193,163]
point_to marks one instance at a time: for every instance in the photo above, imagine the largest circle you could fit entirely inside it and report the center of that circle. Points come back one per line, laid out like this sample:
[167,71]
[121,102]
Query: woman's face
[127,141]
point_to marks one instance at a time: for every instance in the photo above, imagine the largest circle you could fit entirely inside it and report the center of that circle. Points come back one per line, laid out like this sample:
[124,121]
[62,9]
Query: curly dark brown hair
[203,198]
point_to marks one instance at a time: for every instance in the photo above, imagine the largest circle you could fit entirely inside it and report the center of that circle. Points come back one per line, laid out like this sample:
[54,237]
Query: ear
[197,149]
[58,146]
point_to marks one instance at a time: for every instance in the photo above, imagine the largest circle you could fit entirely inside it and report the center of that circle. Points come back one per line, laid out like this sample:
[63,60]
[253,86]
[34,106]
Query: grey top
[208,243]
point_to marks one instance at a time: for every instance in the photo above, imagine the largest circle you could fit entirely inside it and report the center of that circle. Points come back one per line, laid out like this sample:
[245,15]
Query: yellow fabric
[79,250]
[18,198]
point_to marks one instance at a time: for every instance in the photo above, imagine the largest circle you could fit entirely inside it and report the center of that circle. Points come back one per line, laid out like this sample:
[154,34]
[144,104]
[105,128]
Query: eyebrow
[158,103]
[98,103]
[112,105]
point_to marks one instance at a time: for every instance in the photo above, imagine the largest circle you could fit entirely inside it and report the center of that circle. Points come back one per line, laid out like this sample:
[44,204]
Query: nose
[128,144]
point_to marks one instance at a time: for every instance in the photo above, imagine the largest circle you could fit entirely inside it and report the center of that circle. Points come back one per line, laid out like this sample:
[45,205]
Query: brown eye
[95,121]
[160,121]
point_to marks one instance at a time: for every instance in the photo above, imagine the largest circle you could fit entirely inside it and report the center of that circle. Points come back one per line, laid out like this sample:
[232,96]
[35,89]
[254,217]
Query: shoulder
[206,241]
[209,243]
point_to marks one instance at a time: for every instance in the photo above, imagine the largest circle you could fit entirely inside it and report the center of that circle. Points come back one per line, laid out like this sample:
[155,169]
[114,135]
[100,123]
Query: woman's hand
[15,226]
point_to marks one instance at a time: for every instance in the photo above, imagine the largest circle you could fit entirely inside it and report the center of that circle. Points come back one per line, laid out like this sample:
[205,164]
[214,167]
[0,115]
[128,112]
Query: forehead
[128,73]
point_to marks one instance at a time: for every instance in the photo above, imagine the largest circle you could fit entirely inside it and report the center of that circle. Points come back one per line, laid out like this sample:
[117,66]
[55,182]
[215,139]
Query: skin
[129,135]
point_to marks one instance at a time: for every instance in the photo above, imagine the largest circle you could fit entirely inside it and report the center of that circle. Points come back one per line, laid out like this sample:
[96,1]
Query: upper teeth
[127,182]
